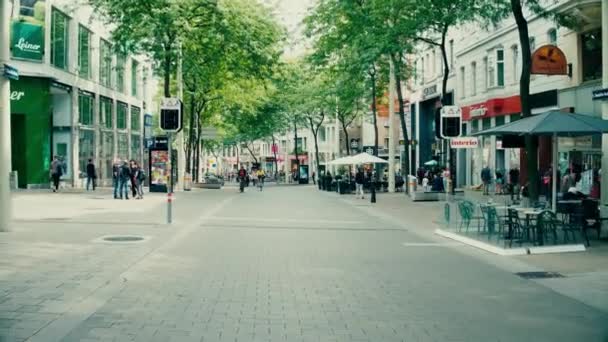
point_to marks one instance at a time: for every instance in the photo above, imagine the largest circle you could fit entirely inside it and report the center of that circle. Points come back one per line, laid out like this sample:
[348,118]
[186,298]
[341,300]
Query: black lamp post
[373,196]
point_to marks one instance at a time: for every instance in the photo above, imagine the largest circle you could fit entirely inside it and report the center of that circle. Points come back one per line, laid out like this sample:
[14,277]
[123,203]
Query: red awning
[492,108]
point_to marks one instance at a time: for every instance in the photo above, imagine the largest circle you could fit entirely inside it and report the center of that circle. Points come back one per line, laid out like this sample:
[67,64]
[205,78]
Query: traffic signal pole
[5,121]
[170,188]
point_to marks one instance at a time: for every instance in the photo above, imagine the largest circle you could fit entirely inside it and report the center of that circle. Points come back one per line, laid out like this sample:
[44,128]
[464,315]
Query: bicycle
[261,184]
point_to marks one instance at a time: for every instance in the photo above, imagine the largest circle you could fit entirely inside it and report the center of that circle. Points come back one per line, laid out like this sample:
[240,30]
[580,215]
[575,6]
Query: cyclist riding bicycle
[261,175]
[242,178]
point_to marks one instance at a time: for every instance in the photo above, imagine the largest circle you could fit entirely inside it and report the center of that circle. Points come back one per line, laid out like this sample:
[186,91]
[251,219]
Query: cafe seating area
[512,224]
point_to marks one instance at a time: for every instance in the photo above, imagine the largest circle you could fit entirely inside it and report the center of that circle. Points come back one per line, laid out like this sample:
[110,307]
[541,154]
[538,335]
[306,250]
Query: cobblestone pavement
[287,264]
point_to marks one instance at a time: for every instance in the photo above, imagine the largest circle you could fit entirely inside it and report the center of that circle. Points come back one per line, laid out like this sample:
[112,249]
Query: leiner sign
[27,41]
[17,95]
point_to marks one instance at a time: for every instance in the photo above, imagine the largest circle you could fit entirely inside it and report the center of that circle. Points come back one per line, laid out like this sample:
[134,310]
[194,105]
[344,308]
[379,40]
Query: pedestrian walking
[514,183]
[499,182]
[115,177]
[91,174]
[133,168]
[314,178]
[140,178]
[486,178]
[124,178]
[242,179]
[56,172]
[359,181]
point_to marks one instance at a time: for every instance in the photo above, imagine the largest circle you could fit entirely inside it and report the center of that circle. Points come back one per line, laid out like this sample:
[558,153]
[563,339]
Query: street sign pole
[170,188]
[5,121]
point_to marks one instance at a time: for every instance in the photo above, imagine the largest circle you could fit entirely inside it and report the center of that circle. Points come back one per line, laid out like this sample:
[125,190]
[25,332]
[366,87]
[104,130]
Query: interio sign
[464,142]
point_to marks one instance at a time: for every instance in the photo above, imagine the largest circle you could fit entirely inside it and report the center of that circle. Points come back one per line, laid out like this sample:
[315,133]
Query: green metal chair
[547,222]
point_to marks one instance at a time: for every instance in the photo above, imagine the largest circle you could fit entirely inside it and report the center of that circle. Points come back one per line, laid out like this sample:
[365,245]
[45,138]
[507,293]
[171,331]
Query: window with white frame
[421,78]
[490,70]
[462,82]
[434,64]
[500,67]
[532,44]
[515,63]
[485,73]
[451,54]
[473,78]
[552,36]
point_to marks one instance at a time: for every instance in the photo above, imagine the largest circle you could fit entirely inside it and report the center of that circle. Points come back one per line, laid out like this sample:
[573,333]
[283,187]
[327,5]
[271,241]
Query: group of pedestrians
[256,176]
[125,174]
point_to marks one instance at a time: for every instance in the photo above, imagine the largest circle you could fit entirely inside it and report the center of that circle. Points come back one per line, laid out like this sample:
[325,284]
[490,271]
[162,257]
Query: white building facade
[484,81]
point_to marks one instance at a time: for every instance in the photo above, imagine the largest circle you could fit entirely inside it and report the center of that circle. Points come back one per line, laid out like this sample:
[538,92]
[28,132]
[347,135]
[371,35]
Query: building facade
[76,98]
[484,81]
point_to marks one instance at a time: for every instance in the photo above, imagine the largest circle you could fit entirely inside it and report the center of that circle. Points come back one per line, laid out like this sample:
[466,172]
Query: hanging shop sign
[27,41]
[464,142]
[549,60]
[428,91]
[601,94]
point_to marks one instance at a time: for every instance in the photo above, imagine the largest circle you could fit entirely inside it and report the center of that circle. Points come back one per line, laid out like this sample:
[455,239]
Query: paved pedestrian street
[287,264]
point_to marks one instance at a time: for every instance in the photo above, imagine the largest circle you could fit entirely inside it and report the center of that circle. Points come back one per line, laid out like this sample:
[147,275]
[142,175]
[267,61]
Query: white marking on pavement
[431,244]
[262,219]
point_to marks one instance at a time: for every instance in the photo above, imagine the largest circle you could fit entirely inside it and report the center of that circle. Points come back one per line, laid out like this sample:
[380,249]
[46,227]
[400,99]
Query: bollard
[169,207]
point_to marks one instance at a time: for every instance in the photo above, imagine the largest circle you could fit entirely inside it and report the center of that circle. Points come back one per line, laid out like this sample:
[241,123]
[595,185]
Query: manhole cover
[539,275]
[123,238]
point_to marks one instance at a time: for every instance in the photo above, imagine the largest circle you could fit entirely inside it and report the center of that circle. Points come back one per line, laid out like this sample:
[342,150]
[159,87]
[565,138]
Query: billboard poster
[27,36]
[159,168]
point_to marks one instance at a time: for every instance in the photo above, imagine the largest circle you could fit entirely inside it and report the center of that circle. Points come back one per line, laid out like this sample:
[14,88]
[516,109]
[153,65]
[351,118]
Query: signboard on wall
[27,33]
[549,60]
[464,142]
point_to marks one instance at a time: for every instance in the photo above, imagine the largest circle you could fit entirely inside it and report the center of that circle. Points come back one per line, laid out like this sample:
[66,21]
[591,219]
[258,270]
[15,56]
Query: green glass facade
[31,129]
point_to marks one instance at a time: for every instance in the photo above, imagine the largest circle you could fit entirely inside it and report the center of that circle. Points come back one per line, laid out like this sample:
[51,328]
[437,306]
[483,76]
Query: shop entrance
[18,148]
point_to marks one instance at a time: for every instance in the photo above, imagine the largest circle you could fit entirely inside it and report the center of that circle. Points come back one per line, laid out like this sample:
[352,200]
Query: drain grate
[539,275]
[123,238]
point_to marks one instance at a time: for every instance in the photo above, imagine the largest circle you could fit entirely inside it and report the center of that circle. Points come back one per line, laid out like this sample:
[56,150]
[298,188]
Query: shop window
[136,147]
[552,35]
[134,66]
[105,112]
[121,115]
[123,146]
[84,52]
[120,72]
[491,67]
[85,109]
[86,143]
[106,153]
[592,54]
[135,118]
[59,39]
[105,63]
[500,120]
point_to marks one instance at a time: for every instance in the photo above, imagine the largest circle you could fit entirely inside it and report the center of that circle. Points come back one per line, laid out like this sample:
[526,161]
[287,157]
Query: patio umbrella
[341,161]
[555,124]
[366,158]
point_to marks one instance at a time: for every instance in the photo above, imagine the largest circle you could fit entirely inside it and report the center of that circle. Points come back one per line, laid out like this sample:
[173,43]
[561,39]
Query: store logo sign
[17,95]
[477,112]
[26,46]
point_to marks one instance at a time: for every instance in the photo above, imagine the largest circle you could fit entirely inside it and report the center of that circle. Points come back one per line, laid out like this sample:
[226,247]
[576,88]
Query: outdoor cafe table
[529,213]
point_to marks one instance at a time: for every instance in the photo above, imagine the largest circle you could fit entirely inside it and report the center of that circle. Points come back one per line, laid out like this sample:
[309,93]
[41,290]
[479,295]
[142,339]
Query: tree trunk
[295,149]
[198,147]
[405,160]
[274,152]
[346,142]
[315,133]
[524,93]
[190,143]
[446,66]
[167,71]
[255,159]
[374,110]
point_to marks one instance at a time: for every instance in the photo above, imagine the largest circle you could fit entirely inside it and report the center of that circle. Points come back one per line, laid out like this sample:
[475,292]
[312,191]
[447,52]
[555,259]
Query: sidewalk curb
[483,246]
[512,251]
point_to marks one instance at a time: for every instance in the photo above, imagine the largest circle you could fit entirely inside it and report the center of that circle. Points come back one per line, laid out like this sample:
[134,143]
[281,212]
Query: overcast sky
[290,13]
